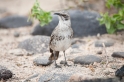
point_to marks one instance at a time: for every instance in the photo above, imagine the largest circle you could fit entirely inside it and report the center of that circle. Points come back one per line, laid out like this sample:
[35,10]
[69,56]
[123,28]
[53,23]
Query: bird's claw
[57,66]
[66,64]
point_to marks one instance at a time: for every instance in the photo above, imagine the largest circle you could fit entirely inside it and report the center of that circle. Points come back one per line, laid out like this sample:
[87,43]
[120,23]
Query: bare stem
[105,54]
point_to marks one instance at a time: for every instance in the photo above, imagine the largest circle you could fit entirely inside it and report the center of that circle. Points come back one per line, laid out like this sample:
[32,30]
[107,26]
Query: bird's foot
[57,66]
[66,64]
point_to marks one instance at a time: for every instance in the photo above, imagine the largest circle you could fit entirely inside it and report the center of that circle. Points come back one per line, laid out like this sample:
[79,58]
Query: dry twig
[106,55]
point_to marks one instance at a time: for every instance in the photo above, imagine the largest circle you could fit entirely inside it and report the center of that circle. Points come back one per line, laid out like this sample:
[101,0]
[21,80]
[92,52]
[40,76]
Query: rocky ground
[24,64]
[26,56]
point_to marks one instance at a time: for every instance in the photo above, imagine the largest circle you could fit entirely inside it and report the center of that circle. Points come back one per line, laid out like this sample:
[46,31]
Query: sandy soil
[23,67]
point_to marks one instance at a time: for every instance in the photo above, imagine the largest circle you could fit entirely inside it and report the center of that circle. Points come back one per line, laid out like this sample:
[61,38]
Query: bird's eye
[65,16]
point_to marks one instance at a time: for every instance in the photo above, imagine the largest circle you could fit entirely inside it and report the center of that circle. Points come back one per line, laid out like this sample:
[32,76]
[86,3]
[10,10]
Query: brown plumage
[52,55]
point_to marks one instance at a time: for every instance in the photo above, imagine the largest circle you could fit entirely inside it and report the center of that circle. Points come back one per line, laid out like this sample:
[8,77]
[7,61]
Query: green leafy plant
[39,14]
[115,21]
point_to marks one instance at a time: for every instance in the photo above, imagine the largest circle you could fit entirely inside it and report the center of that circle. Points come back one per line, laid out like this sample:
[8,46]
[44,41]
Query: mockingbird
[61,37]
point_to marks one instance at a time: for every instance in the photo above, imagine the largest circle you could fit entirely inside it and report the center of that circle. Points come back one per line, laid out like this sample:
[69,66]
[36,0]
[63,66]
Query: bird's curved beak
[57,14]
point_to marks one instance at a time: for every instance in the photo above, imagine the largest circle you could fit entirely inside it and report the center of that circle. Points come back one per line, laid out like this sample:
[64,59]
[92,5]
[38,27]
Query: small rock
[44,61]
[5,73]
[71,58]
[107,43]
[77,40]
[78,78]
[118,54]
[76,50]
[98,36]
[114,66]
[75,45]
[97,80]
[120,72]
[31,77]
[87,59]
[2,67]
[17,52]
[56,77]
[36,44]
[14,22]
[82,78]
[30,53]
[16,34]
[62,62]
[99,52]
[106,72]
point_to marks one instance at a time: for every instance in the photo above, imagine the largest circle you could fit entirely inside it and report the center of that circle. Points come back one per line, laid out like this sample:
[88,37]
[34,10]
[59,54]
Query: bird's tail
[52,55]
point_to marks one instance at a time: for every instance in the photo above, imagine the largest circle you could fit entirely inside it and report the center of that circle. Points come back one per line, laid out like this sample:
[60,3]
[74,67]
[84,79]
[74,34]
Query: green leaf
[107,20]
[121,13]
[108,3]
[116,15]
[43,23]
[41,15]
[111,30]
[108,23]
[120,26]
[101,21]
[113,22]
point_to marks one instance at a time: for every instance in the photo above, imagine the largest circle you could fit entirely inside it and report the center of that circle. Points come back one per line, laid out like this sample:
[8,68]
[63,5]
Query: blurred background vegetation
[112,20]
[112,11]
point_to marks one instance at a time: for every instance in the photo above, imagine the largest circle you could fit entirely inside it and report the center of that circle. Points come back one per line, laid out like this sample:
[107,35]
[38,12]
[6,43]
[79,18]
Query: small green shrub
[115,21]
[39,14]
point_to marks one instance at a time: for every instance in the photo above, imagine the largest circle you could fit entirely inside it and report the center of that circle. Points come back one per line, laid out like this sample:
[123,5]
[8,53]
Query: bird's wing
[52,55]
[51,51]
[53,35]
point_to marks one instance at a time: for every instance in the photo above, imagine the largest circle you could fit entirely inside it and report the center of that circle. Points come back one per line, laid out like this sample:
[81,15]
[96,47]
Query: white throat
[64,23]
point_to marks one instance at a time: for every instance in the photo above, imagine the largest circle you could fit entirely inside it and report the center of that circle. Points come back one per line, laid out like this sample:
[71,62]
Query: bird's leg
[66,64]
[57,66]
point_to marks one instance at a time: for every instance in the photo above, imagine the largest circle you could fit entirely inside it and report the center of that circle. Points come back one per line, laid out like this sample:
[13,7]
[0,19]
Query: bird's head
[63,16]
